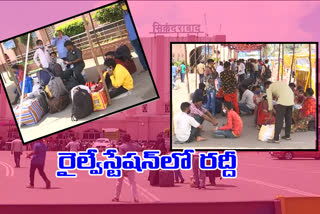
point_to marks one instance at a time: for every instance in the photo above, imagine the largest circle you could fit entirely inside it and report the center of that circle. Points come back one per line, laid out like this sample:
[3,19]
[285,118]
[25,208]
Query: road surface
[259,178]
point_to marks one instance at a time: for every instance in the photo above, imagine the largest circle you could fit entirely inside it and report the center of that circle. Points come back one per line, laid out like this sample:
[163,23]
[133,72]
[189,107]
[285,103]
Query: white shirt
[73,145]
[220,69]
[182,126]
[61,62]
[247,98]
[242,68]
[44,57]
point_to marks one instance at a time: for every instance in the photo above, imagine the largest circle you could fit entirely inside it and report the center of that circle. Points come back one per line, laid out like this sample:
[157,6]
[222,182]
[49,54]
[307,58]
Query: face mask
[54,59]
[224,111]
[257,92]
[41,46]
[124,7]
[108,69]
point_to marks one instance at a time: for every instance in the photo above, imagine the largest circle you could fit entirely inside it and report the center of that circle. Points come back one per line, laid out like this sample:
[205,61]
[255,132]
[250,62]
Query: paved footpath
[259,178]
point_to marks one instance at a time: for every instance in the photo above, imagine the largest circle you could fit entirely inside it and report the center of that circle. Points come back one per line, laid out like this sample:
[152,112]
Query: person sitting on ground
[296,92]
[233,128]
[299,98]
[122,56]
[201,92]
[56,59]
[263,116]
[199,113]
[186,128]
[306,114]
[246,104]
[118,77]
[75,63]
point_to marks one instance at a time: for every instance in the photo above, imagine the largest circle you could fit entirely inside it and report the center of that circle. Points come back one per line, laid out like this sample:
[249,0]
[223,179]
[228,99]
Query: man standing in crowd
[16,150]
[183,71]
[133,36]
[37,162]
[43,54]
[2,143]
[19,77]
[127,146]
[219,70]
[75,62]
[200,70]
[284,107]
[187,129]
[229,86]
[209,80]
[59,41]
[73,145]
[241,71]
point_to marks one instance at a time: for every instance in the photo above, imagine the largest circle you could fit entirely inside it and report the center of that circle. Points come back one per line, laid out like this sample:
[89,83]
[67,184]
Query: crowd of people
[237,88]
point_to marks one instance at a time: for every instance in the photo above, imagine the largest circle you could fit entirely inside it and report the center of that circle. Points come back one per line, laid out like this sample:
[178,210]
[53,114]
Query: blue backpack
[44,76]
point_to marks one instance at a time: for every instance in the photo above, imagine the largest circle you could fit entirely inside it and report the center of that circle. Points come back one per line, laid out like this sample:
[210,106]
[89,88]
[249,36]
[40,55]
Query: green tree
[111,13]
[72,28]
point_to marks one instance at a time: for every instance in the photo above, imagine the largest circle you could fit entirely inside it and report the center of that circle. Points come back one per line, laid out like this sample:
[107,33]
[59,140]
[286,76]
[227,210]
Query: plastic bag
[266,132]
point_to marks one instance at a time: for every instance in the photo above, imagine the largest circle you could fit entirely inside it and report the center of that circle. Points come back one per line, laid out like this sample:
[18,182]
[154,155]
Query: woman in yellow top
[118,77]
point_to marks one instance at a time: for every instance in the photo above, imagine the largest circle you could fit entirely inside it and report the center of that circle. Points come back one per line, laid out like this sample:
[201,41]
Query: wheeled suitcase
[166,178]
[154,177]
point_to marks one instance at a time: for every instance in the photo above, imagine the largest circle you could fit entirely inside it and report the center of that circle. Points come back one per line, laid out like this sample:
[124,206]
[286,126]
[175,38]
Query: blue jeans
[139,52]
[182,76]
[219,83]
[174,81]
[211,102]
[225,133]
[244,108]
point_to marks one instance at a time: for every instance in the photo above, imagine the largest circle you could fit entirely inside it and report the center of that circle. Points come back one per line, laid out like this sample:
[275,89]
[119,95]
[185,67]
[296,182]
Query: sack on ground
[166,178]
[58,104]
[99,100]
[82,105]
[73,90]
[56,88]
[266,132]
[32,112]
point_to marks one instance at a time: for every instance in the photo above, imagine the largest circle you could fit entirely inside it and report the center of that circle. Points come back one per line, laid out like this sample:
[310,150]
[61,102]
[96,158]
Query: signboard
[165,29]
[247,55]
[9,44]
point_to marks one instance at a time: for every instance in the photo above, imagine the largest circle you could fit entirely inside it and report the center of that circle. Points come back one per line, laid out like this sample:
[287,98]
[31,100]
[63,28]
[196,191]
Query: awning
[246,47]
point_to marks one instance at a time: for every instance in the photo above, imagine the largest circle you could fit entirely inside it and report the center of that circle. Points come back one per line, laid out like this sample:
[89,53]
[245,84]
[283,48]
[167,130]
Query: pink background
[241,21]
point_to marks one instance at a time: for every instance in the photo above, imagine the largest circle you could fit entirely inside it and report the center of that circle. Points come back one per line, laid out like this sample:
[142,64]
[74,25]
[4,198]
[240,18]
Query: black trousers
[283,112]
[40,168]
[116,91]
[17,158]
[76,72]
[195,132]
